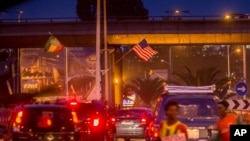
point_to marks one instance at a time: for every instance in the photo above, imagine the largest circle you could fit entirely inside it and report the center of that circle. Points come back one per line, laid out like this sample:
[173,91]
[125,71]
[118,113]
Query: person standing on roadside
[225,120]
[171,125]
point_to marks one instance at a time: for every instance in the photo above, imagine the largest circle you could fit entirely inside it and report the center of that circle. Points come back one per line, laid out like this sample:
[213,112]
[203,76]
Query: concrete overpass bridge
[32,33]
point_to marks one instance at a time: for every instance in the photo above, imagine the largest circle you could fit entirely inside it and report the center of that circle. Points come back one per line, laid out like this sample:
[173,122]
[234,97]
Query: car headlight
[193,133]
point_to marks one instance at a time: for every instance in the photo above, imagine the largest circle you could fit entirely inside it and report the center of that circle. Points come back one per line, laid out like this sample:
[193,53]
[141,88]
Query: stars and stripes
[143,50]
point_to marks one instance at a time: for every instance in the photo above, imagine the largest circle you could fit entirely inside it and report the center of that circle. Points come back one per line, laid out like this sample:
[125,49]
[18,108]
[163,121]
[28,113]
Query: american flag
[143,50]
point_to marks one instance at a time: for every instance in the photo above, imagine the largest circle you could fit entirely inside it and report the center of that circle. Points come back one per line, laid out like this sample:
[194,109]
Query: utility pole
[108,96]
[228,62]
[98,45]
[244,66]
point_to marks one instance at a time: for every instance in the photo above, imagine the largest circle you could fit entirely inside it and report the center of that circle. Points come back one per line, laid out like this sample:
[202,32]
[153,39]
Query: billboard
[47,73]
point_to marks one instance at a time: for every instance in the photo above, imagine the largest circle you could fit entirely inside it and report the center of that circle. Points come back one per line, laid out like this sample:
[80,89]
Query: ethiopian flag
[53,45]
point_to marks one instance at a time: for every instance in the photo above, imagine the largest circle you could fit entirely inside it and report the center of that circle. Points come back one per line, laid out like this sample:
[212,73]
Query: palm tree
[146,89]
[207,76]
[203,76]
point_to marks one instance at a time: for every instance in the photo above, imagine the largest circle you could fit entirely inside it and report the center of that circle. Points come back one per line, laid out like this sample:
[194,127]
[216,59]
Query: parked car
[197,110]
[46,122]
[133,122]
[93,119]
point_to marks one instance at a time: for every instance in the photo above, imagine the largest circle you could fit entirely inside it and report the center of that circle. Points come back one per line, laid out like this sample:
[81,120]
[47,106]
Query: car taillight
[154,131]
[75,119]
[96,122]
[73,103]
[19,117]
[113,119]
[49,122]
[156,134]
[143,121]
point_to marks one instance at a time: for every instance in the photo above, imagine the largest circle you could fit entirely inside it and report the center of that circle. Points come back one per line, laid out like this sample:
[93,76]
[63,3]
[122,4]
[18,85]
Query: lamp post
[175,14]
[176,11]
[168,72]
[98,45]
[244,66]
[20,12]
[228,60]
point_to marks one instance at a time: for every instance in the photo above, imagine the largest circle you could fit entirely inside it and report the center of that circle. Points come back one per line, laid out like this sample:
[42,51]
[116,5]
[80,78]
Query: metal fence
[120,18]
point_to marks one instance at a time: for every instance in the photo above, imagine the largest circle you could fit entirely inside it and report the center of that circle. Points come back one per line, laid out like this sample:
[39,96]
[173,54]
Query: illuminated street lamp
[227,17]
[169,64]
[244,66]
[176,11]
[228,59]
[20,12]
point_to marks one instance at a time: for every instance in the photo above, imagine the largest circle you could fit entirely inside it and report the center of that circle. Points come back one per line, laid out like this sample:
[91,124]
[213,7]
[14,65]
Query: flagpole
[108,96]
[117,61]
[66,73]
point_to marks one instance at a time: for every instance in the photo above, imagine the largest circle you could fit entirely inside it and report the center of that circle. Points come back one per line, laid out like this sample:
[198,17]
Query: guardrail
[120,18]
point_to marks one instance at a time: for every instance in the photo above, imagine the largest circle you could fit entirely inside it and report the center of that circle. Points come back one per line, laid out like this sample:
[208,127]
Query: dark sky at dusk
[66,8]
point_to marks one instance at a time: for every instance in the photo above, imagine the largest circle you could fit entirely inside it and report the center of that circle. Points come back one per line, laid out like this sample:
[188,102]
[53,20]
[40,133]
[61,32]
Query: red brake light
[113,119]
[49,122]
[73,103]
[143,120]
[75,119]
[156,134]
[19,117]
[96,122]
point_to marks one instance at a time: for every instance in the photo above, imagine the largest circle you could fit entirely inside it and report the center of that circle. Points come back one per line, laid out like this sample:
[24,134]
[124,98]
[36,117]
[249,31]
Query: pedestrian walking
[171,126]
[225,120]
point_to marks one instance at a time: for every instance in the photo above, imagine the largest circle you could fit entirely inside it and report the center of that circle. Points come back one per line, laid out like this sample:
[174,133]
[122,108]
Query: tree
[203,76]
[147,89]
[116,9]
[207,76]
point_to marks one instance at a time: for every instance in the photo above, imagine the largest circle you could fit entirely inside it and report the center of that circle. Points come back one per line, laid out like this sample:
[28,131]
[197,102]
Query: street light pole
[98,45]
[19,16]
[244,66]
[108,97]
[228,62]
[170,61]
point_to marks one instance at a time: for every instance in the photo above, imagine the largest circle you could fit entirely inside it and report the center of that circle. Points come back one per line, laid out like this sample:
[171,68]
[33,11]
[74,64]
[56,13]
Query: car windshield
[196,107]
[47,120]
[132,113]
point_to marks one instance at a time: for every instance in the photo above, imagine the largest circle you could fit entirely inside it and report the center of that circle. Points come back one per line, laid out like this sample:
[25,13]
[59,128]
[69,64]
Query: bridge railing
[110,19]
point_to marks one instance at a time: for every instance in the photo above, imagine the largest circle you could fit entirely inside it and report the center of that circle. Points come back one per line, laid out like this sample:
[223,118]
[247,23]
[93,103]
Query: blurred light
[20,12]
[176,11]
[96,122]
[238,50]
[228,17]
[73,103]
[116,81]
[123,49]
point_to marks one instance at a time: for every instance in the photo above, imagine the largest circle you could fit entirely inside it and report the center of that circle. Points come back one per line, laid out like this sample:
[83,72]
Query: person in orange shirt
[172,125]
[225,120]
